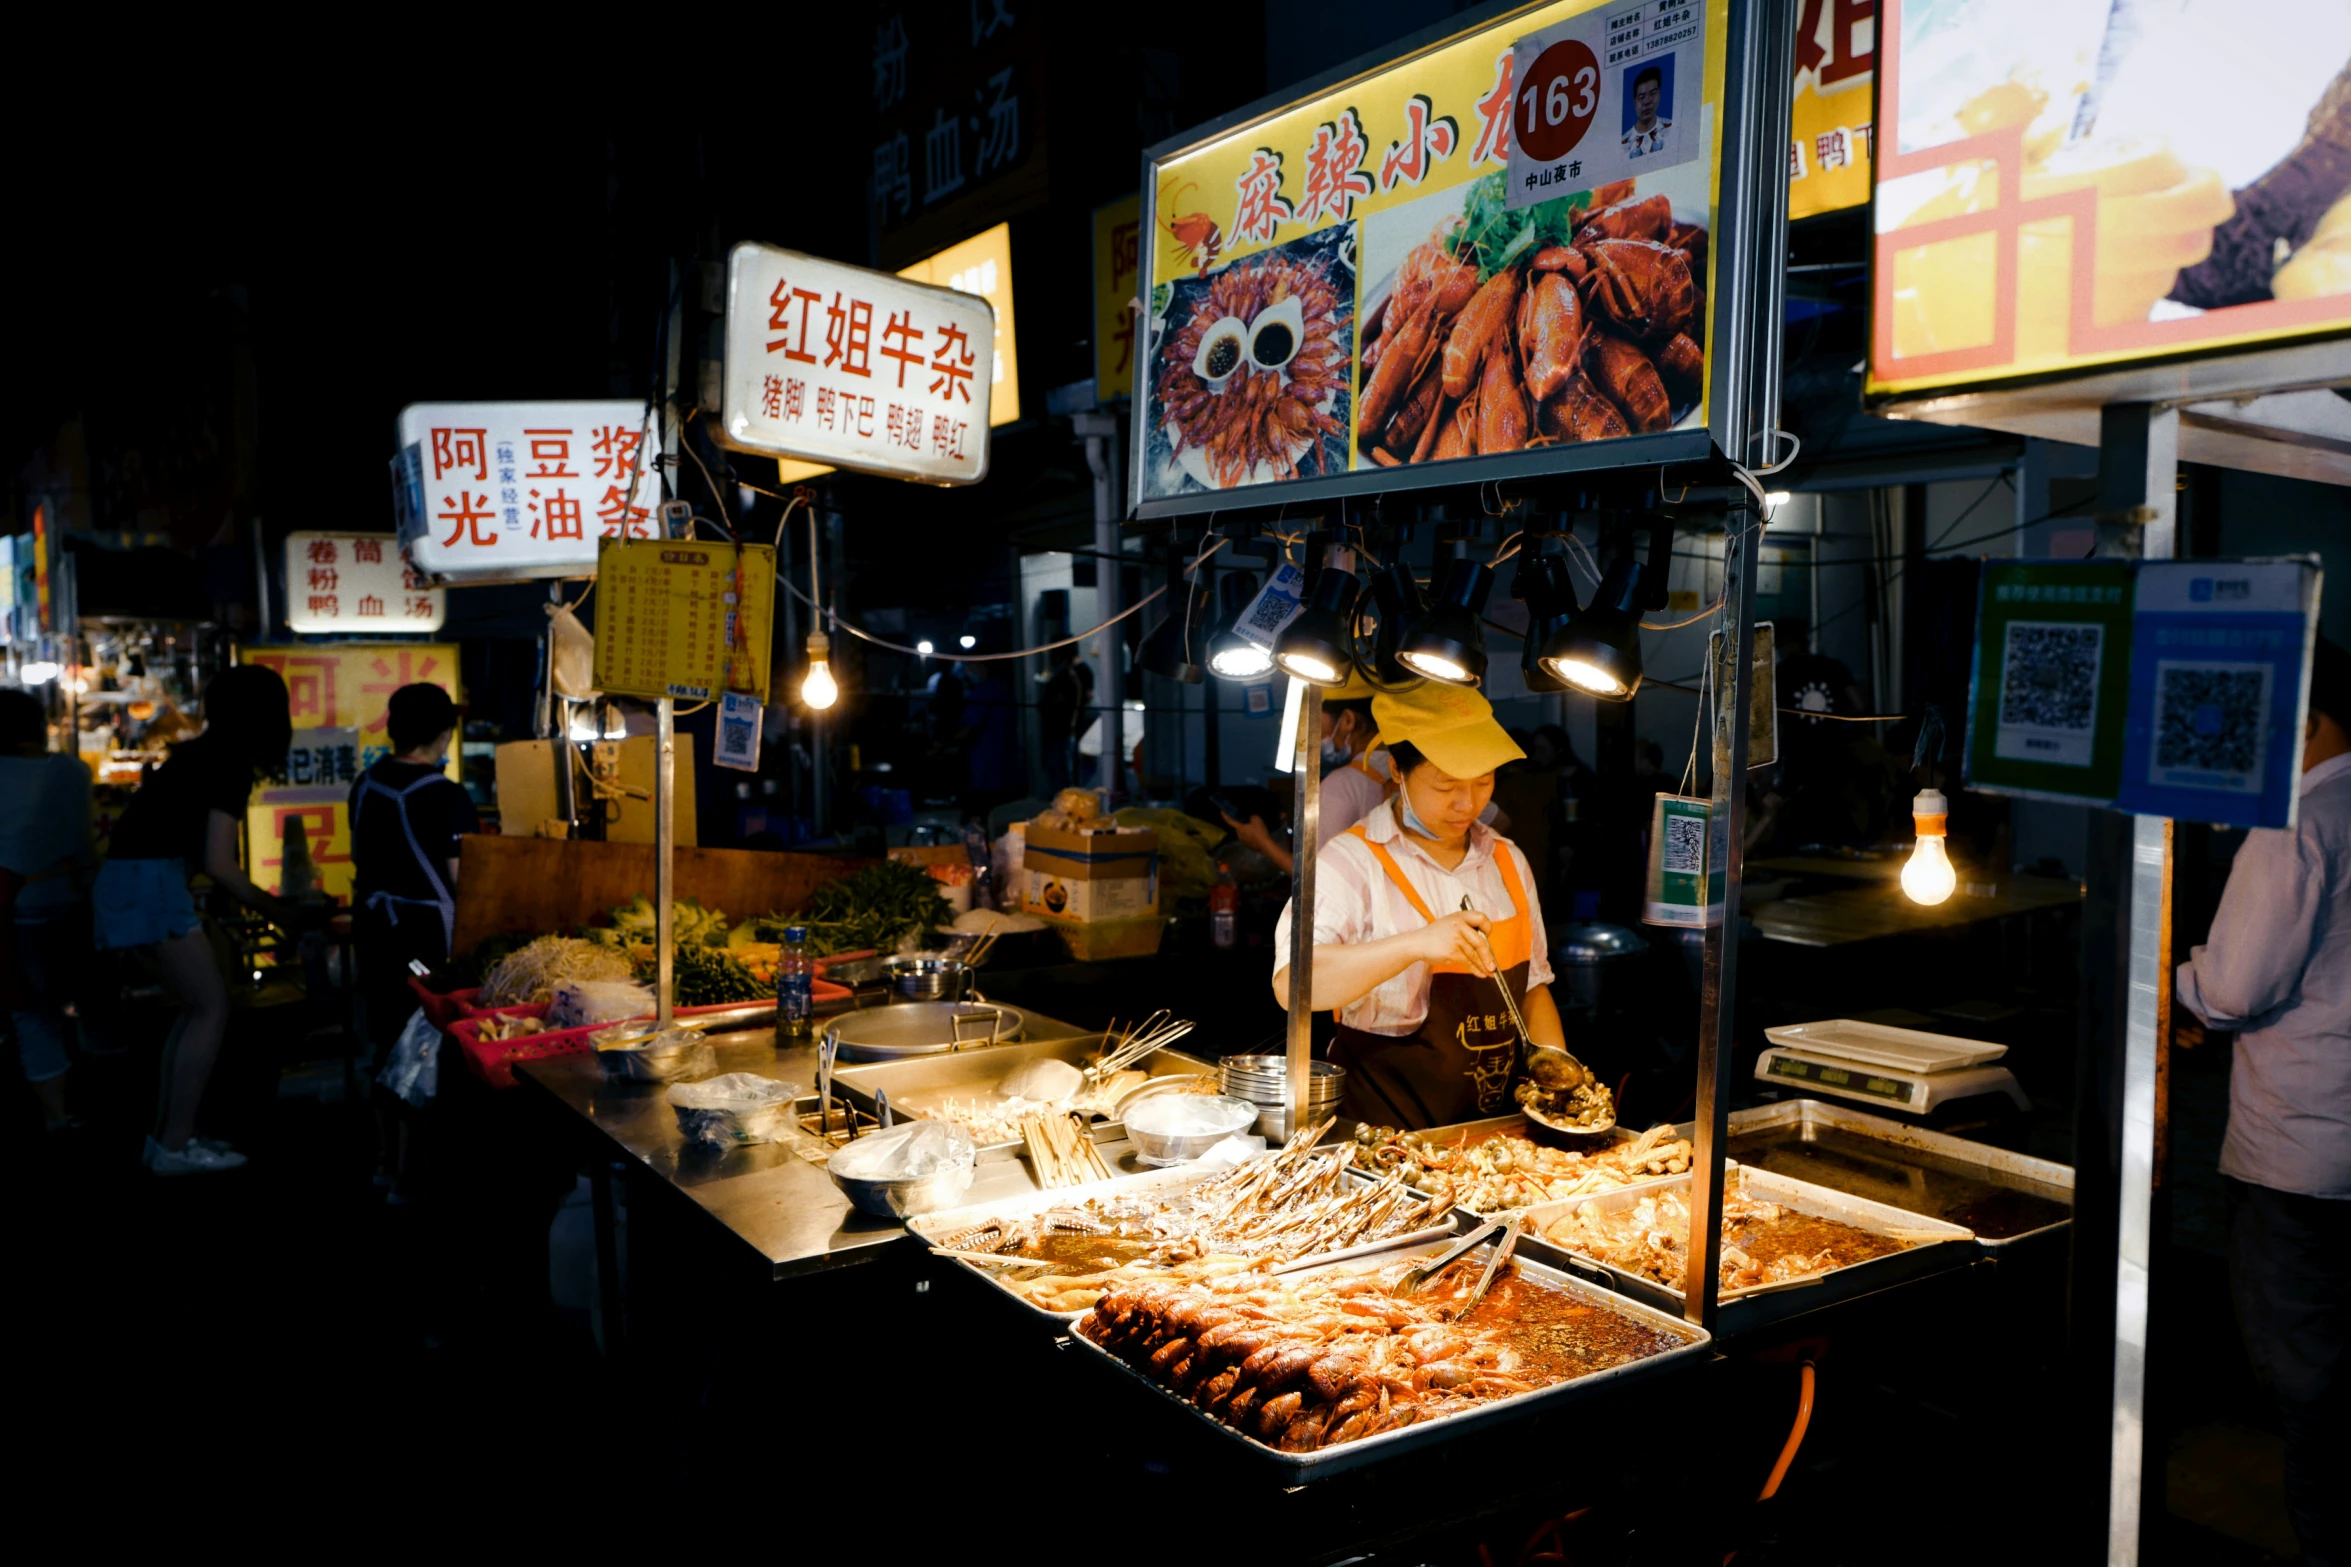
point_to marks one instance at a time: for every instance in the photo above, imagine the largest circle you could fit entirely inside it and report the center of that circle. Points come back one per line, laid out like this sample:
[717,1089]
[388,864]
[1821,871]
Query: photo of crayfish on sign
[1490,330]
[1250,367]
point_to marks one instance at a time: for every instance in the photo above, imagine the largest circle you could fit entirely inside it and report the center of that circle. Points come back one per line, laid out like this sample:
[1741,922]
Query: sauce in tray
[1560,1337]
[1915,1181]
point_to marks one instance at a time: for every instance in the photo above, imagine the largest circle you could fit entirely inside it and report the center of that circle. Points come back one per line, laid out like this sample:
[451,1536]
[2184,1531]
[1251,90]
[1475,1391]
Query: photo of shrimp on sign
[1451,256]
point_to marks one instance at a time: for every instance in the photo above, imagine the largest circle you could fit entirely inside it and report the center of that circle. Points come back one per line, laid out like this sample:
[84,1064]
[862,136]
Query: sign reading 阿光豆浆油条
[1118,255]
[836,364]
[2052,658]
[2218,671]
[357,582]
[1497,243]
[492,491]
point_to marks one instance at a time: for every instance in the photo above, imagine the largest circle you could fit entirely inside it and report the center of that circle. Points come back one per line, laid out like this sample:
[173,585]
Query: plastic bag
[579,1002]
[738,1107]
[906,1153]
[573,668]
[414,1071]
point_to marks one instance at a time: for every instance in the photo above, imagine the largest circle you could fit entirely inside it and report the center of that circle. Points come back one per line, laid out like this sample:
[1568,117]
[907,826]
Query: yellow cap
[1452,726]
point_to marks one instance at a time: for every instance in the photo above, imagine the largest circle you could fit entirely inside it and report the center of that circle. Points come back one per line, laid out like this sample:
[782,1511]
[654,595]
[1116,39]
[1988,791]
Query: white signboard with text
[837,364]
[357,582]
[1609,94]
[488,491]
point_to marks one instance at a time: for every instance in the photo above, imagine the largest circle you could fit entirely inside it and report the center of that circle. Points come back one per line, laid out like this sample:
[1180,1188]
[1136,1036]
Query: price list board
[683,618]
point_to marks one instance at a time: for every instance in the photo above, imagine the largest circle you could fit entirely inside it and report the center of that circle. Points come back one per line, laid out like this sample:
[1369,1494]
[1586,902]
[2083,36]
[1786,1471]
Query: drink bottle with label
[795,979]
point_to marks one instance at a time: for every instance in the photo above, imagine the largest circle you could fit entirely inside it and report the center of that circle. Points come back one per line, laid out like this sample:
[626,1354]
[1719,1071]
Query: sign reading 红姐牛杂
[1609,94]
[837,364]
[2220,654]
[2052,658]
[346,582]
[494,491]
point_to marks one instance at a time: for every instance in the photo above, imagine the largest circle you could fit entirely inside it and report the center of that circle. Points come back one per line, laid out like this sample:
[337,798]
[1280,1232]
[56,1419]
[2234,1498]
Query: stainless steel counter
[771,1196]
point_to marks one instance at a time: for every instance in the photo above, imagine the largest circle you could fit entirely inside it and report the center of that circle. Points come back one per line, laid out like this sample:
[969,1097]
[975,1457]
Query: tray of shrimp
[1500,1164]
[1344,1363]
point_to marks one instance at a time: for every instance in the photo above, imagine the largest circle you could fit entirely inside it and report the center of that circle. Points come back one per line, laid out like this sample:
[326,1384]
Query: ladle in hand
[1553,1069]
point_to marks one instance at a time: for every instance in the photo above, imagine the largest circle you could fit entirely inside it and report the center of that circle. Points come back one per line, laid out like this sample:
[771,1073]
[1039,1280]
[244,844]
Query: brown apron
[1462,1062]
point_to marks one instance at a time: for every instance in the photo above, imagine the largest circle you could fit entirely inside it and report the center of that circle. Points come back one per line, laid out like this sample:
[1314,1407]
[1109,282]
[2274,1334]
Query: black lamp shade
[1314,646]
[1599,650]
[1448,643]
[1397,600]
[1543,585]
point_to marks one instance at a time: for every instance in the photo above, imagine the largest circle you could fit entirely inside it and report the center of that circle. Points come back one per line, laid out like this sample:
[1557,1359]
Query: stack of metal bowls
[1264,1082]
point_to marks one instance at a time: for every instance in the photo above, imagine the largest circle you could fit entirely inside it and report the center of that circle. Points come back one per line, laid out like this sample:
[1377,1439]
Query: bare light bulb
[924,647]
[1585,675]
[1436,667]
[818,690]
[1927,877]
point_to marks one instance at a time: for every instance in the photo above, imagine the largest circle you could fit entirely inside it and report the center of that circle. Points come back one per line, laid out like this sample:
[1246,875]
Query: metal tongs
[1409,1285]
[825,1048]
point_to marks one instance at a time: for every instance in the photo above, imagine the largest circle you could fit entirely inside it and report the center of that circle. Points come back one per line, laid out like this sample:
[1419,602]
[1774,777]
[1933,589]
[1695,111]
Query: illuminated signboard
[982,265]
[357,582]
[496,491]
[1829,123]
[1333,286]
[1118,254]
[2060,188]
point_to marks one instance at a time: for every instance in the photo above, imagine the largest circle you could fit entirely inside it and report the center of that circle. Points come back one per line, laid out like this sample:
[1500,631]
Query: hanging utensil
[881,1108]
[1493,1266]
[1409,1285]
[824,1086]
[1551,1067]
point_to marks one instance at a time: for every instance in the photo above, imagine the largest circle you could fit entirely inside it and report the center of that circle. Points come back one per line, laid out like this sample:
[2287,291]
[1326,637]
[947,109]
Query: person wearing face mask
[1418,908]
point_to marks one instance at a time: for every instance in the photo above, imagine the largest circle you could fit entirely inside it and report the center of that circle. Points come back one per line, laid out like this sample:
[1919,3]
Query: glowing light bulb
[967,642]
[818,690]
[924,647]
[1240,661]
[1585,675]
[1927,877]
[39,671]
[1435,666]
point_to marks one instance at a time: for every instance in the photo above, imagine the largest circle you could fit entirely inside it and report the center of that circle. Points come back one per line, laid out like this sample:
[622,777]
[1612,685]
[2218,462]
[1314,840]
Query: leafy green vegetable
[877,906]
[703,976]
[636,920]
[1493,236]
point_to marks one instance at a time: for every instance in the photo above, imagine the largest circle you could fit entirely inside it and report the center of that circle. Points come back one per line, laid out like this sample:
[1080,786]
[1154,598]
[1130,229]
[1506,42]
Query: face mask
[1335,754]
[1412,821]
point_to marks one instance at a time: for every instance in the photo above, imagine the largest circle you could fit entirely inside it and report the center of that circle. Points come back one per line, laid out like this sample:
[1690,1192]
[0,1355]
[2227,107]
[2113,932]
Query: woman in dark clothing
[184,821]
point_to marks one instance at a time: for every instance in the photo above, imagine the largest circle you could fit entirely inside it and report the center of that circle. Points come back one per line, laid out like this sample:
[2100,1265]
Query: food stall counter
[771,1196]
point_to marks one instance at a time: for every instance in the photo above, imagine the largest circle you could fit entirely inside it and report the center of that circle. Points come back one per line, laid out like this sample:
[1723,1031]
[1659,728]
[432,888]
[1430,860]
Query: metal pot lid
[924,1028]
[1593,942]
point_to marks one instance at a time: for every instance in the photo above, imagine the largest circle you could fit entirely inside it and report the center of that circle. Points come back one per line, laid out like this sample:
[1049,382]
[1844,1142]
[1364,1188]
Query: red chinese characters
[465,513]
[1429,139]
[902,341]
[953,362]
[371,607]
[783,298]
[461,449]
[1259,207]
[620,519]
[322,579]
[326,604]
[559,514]
[615,449]
[848,336]
[398,668]
[321,552]
[368,552]
[551,452]
[1840,60]
[1335,178]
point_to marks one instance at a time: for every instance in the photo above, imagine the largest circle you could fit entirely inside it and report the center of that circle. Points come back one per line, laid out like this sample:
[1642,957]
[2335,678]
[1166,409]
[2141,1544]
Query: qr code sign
[2211,725]
[1271,612]
[1685,845]
[2049,691]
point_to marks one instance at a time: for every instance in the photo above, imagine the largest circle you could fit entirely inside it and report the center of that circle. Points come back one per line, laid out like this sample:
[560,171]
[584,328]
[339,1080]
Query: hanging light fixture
[1232,656]
[1543,585]
[1314,646]
[1599,649]
[1448,642]
[817,689]
[1927,876]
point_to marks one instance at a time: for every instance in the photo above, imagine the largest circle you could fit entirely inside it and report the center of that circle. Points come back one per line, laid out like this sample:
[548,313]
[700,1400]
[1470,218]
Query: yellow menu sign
[982,265]
[1118,237]
[683,618]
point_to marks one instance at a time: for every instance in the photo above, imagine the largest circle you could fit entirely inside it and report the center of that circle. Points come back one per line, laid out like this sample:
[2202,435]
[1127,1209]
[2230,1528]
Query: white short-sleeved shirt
[1355,900]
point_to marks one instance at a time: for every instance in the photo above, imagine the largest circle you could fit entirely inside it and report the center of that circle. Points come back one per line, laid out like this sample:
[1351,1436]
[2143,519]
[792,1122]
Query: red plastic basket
[492,1060]
[442,1010]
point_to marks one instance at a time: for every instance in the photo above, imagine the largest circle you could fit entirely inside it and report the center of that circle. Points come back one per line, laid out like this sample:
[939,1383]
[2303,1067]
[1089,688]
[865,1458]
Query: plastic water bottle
[1224,910]
[795,977]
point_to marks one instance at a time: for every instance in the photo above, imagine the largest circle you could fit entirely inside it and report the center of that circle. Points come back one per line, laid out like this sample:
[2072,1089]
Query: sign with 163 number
[1607,95]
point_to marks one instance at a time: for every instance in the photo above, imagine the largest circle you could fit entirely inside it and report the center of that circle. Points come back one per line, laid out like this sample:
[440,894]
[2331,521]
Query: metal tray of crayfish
[1752,1306]
[1146,1187]
[917,1084]
[1681,1345]
[1469,1134]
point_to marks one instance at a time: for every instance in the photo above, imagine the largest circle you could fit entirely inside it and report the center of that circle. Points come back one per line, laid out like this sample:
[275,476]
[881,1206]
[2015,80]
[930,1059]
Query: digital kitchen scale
[1897,1069]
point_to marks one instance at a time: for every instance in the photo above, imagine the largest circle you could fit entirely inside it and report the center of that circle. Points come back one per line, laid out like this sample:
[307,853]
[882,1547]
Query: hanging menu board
[684,618]
[2052,660]
[2219,657]
[1497,243]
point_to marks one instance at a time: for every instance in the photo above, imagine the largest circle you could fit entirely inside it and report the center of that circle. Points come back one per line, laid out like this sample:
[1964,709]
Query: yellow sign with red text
[1830,128]
[1118,242]
[982,265]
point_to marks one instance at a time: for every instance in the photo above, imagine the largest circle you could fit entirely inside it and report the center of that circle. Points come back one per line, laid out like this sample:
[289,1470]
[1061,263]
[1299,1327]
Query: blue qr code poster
[2219,653]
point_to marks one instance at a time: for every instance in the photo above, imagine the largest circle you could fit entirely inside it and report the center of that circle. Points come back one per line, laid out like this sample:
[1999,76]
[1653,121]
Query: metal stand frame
[1306,764]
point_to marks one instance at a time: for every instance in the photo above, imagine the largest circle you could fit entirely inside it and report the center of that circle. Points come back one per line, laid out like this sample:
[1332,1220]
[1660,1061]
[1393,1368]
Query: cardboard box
[1090,876]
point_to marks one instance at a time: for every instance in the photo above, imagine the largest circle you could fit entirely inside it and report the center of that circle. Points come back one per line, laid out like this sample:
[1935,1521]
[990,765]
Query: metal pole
[552,725]
[1734,680]
[2138,464]
[1102,454]
[1306,765]
[665,842]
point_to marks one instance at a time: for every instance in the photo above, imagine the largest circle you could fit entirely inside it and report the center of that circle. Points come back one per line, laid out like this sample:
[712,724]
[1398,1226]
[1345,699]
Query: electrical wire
[1795,448]
[1676,625]
[833,618]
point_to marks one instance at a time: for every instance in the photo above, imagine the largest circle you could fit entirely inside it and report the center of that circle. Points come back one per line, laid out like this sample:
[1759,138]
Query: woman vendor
[1417,908]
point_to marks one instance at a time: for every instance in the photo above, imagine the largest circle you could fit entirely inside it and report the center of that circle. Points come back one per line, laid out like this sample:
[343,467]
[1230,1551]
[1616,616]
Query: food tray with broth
[964,1087]
[1365,1377]
[1497,1164]
[1809,1246]
[2003,1197]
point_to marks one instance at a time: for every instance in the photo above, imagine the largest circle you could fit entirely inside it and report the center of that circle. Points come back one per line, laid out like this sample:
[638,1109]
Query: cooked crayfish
[1250,415]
